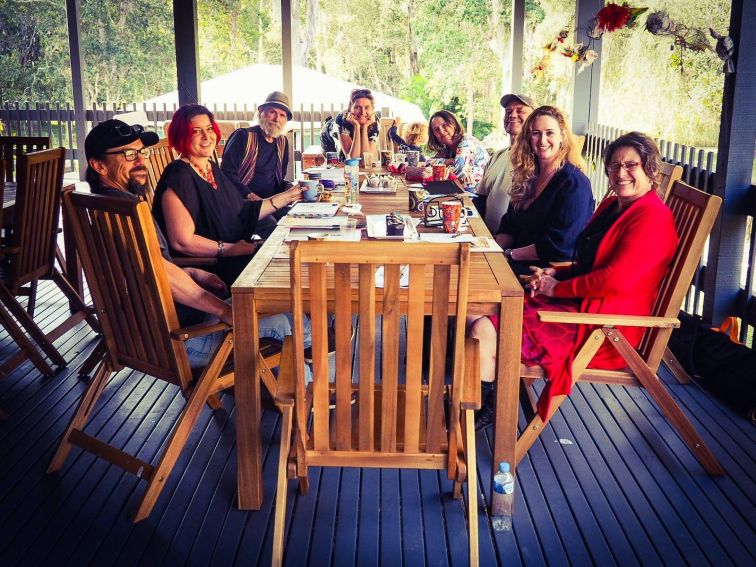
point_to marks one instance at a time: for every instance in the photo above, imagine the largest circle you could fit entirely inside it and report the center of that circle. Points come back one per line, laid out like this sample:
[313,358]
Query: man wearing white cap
[493,189]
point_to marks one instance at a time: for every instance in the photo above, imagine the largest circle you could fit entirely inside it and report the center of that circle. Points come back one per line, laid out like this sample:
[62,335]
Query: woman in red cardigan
[620,260]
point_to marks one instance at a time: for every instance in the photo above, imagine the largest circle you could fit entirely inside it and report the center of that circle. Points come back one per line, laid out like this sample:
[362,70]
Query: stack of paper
[313,210]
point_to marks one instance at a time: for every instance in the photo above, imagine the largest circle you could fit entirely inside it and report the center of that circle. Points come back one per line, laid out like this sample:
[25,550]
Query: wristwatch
[508,254]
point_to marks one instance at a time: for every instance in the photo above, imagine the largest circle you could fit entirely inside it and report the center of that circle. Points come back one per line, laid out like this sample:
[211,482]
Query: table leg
[507,393]
[247,387]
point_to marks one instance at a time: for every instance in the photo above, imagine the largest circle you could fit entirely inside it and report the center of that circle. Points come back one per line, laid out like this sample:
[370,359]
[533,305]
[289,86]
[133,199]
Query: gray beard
[270,131]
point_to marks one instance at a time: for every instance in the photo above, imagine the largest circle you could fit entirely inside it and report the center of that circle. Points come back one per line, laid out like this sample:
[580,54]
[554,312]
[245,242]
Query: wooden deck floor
[608,483]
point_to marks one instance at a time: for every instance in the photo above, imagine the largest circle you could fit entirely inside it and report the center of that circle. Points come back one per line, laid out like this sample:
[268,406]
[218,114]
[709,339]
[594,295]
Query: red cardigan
[630,263]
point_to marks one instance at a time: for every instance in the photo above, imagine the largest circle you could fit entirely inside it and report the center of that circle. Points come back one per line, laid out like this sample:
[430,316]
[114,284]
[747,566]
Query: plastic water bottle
[352,180]
[503,498]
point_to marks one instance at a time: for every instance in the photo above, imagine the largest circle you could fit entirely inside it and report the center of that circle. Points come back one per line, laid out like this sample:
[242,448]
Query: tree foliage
[451,54]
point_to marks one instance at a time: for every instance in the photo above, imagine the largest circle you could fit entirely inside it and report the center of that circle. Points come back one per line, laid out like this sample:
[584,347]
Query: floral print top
[469,163]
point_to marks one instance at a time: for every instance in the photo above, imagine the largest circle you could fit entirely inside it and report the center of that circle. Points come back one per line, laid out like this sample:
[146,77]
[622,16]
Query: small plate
[376,228]
[364,188]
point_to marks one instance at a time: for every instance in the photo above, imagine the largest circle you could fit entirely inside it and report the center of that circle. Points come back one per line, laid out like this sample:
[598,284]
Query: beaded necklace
[207,174]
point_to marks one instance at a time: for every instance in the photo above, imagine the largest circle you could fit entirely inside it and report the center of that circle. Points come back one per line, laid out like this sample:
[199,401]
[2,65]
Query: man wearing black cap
[497,178]
[256,158]
[116,154]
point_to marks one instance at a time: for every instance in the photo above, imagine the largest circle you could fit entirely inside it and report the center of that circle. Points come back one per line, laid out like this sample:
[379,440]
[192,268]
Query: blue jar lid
[353,161]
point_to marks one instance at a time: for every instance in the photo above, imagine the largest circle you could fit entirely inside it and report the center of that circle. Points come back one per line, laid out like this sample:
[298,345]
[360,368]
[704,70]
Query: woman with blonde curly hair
[551,199]
[410,138]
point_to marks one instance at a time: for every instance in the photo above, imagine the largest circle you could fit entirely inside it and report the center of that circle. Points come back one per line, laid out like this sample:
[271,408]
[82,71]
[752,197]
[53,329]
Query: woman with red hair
[199,209]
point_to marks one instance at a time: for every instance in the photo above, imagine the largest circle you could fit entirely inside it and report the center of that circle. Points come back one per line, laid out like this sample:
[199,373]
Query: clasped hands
[541,281]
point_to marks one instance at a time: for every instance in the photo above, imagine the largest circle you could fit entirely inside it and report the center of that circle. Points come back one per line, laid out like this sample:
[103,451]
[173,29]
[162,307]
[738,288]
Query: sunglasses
[125,130]
[131,155]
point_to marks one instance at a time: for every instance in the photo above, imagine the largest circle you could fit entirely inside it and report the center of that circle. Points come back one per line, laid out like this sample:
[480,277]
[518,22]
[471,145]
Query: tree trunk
[470,104]
[308,43]
[411,43]
[296,47]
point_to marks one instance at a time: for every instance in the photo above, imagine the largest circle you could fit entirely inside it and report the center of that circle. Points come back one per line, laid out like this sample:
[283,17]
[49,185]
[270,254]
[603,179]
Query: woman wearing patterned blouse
[464,152]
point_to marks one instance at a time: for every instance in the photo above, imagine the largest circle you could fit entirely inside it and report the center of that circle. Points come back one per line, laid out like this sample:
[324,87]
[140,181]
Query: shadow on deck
[608,482]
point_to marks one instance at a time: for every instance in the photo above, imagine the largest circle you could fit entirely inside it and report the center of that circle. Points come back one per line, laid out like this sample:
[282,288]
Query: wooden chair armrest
[9,250]
[185,333]
[190,261]
[608,319]
[471,390]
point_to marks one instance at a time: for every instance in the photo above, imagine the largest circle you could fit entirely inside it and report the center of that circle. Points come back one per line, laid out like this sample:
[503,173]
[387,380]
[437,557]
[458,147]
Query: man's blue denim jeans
[199,350]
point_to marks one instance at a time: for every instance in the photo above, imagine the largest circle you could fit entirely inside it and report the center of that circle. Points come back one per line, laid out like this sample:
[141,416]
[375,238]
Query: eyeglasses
[131,155]
[628,166]
[126,131]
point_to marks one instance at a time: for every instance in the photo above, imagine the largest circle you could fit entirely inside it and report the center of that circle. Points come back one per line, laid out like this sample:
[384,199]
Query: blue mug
[311,190]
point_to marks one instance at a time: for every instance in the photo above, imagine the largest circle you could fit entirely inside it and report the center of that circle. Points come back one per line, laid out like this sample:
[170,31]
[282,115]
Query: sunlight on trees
[451,54]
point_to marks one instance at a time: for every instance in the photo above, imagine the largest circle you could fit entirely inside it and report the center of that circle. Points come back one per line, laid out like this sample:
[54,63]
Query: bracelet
[272,204]
[221,246]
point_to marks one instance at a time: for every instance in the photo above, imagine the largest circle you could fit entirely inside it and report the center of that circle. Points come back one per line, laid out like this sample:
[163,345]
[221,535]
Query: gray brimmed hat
[279,100]
[524,99]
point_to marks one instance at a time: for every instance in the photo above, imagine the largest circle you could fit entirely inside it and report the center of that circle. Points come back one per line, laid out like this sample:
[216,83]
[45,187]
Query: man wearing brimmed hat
[116,153]
[256,158]
[497,178]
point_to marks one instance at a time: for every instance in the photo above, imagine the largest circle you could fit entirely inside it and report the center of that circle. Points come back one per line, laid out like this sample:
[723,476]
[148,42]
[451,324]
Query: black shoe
[487,412]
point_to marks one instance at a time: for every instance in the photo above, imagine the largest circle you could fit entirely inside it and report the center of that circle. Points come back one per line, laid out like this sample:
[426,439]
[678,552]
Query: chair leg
[28,350]
[472,487]
[28,324]
[664,399]
[95,357]
[32,298]
[676,368]
[281,486]
[183,428]
[86,405]
[75,300]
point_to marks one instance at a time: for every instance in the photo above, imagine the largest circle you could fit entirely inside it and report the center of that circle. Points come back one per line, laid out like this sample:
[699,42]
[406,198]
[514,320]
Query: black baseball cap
[524,99]
[115,133]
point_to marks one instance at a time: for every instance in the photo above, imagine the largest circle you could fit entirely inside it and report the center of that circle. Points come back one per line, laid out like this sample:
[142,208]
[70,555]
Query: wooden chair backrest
[117,243]
[13,147]
[668,174]
[694,212]
[160,157]
[36,216]
[393,421]
[384,142]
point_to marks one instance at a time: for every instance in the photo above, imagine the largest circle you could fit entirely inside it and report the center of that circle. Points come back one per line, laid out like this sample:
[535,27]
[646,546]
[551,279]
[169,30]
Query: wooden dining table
[264,288]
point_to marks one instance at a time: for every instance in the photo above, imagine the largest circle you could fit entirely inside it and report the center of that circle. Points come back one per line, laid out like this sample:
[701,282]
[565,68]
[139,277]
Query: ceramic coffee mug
[311,190]
[440,172]
[417,200]
[451,212]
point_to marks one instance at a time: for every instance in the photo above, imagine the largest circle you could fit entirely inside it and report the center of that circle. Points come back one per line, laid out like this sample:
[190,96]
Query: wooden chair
[13,147]
[30,256]
[392,424]
[384,141]
[118,246]
[160,157]
[694,213]
[668,174]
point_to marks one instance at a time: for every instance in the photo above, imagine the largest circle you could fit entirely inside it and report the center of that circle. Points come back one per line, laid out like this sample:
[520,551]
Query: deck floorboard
[608,482]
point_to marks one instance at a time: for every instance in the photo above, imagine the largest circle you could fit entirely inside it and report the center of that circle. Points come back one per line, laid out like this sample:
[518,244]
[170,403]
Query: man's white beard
[270,129]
